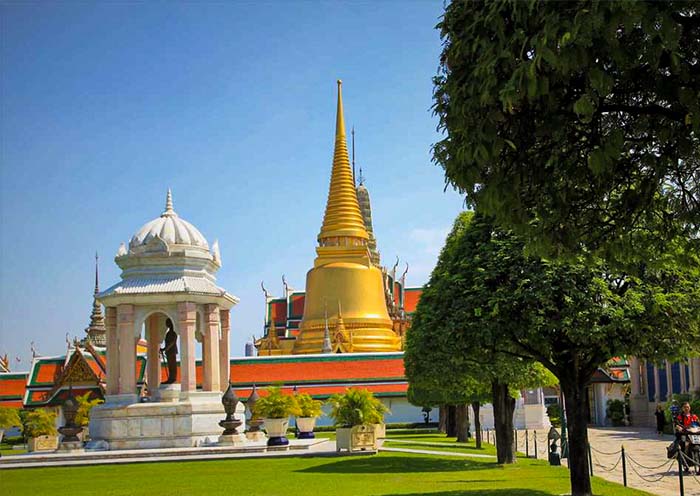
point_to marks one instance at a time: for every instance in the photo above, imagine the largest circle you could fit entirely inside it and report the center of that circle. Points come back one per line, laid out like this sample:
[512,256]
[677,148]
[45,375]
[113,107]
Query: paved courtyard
[648,468]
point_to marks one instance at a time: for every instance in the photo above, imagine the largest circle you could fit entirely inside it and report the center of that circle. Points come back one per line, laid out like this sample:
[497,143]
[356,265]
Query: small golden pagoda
[343,275]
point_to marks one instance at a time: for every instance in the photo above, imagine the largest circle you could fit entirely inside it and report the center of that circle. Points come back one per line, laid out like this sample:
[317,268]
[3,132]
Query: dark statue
[170,352]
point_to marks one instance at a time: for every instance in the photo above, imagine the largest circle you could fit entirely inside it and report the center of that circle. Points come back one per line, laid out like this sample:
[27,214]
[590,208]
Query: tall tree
[576,123]
[571,317]
[445,355]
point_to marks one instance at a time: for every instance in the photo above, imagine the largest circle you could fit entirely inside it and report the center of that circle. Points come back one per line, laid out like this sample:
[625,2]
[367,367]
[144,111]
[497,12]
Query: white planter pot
[359,437]
[306,427]
[43,443]
[276,429]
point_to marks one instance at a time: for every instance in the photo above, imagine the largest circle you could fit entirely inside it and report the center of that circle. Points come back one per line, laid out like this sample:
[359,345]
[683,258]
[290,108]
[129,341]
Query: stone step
[150,455]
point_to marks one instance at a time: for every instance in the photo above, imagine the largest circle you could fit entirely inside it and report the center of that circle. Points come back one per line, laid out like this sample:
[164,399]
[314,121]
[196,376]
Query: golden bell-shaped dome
[343,272]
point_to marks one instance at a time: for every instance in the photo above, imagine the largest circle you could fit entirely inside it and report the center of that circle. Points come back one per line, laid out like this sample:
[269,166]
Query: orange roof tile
[330,368]
[324,391]
[411,298]
[12,386]
[297,301]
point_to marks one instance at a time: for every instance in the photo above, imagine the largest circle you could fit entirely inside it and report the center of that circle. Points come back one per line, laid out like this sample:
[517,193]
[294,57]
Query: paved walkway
[648,468]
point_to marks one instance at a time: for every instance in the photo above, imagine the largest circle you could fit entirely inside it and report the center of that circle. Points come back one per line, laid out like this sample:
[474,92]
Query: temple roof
[168,259]
[12,388]
[322,375]
[165,284]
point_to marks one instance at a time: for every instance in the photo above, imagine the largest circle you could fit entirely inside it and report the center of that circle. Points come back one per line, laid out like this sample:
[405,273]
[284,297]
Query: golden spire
[342,218]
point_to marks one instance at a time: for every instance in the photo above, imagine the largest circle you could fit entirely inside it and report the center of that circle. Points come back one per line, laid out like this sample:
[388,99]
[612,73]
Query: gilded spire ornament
[96,331]
[343,218]
[343,271]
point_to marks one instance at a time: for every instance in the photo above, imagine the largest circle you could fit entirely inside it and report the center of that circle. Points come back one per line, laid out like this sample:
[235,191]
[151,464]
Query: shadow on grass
[483,492]
[397,464]
[426,445]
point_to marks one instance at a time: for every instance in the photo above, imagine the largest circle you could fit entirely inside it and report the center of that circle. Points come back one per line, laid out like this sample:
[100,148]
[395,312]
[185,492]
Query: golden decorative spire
[343,272]
[342,218]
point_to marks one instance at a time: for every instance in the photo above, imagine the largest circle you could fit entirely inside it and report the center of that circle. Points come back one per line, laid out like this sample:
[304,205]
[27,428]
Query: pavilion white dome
[169,228]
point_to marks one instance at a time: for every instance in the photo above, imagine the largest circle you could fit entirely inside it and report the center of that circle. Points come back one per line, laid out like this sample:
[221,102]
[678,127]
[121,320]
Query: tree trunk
[477,423]
[462,423]
[503,408]
[442,423]
[451,421]
[577,428]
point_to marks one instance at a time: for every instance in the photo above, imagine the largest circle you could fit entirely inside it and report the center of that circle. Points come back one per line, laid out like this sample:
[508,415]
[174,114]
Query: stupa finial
[169,204]
[97,273]
[342,218]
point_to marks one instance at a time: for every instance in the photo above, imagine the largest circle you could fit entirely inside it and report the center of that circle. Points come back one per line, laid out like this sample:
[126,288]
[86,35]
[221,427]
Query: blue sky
[232,105]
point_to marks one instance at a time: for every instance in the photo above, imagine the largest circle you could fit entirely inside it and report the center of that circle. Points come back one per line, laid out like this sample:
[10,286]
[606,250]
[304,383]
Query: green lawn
[6,450]
[383,474]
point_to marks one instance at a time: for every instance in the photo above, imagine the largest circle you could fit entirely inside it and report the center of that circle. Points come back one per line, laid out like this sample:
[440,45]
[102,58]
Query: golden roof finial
[342,218]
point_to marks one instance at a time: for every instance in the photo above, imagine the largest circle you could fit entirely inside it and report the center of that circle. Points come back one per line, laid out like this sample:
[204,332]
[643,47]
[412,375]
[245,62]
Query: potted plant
[309,410]
[40,429]
[9,417]
[359,419]
[275,409]
[85,405]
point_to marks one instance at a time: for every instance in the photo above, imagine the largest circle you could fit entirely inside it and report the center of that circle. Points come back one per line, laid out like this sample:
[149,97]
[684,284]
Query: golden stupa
[343,275]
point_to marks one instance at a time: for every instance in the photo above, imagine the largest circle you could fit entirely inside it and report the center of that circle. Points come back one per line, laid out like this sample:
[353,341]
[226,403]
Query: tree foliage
[576,123]
[496,301]
[448,359]
[39,422]
[9,417]
[85,405]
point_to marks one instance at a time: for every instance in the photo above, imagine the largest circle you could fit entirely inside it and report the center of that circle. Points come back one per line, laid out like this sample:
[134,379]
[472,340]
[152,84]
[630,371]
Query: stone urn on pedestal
[230,436]
[254,433]
[70,431]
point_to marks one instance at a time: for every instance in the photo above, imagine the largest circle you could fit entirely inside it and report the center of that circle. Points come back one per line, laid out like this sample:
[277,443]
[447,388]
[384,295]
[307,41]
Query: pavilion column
[224,348]
[695,376]
[127,349]
[187,317]
[153,338]
[657,385]
[112,351]
[210,349]
[669,381]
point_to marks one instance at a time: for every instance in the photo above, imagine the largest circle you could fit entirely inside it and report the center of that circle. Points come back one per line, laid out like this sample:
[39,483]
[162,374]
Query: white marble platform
[319,446]
[188,422]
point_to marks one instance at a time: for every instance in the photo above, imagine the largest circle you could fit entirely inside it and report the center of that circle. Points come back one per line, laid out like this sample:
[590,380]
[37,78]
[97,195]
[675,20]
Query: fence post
[527,444]
[680,472]
[624,467]
[534,437]
[590,458]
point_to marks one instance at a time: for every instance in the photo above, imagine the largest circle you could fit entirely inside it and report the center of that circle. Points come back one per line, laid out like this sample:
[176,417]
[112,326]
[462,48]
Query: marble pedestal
[255,437]
[232,440]
[191,420]
[71,447]
[168,393]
